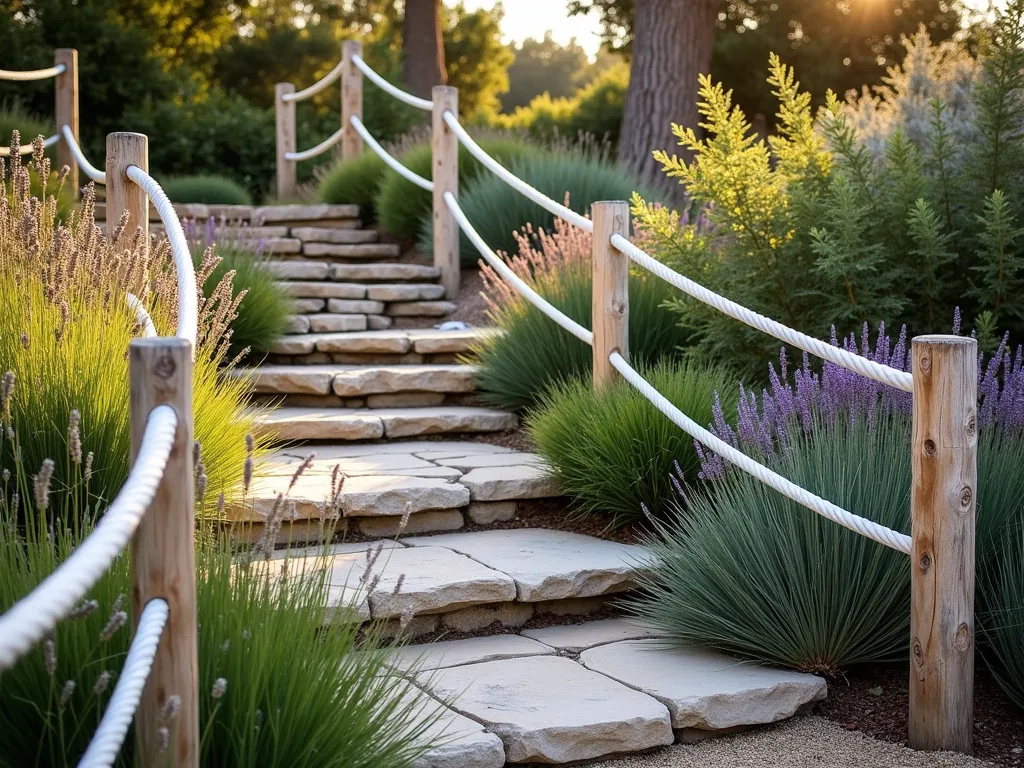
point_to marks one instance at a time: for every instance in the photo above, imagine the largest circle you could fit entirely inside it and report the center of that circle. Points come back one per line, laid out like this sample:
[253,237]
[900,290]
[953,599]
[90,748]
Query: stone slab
[449,342]
[553,710]
[434,521]
[524,481]
[455,740]
[256,233]
[378,322]
[299,270]
[321,424]
[307,306]
[384,379]
[384,495]
[354,306]
[474,650]
[490,512]
[383,272]
[334,235]
[297,324]
[409,422]
[359,251]
[421,309]
[405,292]
[370,342]
[578,637]
[546,564]
[420,448]
[291,379]
[406,400]
[301,344]
[323,289]
[290,213]
[478,461]
[703,689]
[285,462]
[337,323]
[280,245]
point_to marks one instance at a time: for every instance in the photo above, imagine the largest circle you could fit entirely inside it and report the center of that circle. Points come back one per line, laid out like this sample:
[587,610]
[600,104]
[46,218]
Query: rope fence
[28,149]
[25,76]
[943,384]
[153,512]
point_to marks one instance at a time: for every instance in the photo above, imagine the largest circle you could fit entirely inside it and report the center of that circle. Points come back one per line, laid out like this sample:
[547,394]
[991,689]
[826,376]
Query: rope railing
[890,538]
[188,309]
[27,621]
[124,701]
[403,96]
[566,322]
[141,315]
[25,76]
[316,87]
[384,155]
[28,149]
[319,149]
[91,171]
[868,368]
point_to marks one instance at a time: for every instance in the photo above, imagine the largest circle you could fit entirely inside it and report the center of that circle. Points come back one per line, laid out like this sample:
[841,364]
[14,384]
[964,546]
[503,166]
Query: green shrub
[745,570]
[206,188]
[403,208]
[498,212]
[68,329]
[13,117]
[532,352]
[1001,613]
[264,310]
[301,690]
[611,450]
[354,181]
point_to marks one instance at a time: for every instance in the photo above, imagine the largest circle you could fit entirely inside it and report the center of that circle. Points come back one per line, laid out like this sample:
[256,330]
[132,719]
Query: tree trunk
[671,46]
[422,48]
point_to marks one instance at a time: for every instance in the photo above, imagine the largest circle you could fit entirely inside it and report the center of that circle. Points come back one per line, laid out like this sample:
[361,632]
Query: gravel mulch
[805,742]
[472,307]
[874,701]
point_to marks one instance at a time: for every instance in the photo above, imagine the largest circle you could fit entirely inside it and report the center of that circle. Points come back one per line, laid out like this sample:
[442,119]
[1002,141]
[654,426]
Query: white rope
[319,149]
[109,736]
[28,149]
[384,85]
[382,153]
[134,303]
[90,170]
[890,538]
[862,365]
[32,74]
[514,181]
[316,87]
[28,620]
[188,311]
[512,278]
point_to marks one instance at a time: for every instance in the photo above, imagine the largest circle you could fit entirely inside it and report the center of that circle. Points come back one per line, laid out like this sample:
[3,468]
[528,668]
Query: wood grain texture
[123,194]
[611,288]
[445,146]
[66,110]
[284,112]
[163,554]
[351,98]
[945,476]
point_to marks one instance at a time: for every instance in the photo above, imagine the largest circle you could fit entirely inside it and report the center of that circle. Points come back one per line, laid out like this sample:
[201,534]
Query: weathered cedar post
[66,110]
[351,98]
[163,554]
[943,498]
[445,145]
[611,288]
[123,150]
[284,112]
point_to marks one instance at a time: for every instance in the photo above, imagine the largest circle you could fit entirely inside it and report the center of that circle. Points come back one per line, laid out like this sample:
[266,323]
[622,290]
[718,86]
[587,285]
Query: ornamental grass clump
[745,570]
[67,325]
[532,353]
[287,676]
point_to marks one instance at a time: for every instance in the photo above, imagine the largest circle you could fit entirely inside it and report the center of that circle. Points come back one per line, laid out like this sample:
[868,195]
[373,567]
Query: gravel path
[808,742]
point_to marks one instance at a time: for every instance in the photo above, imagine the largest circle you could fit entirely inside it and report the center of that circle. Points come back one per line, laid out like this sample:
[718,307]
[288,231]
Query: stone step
[359,380]
[334,323]
[357,251]
[413,346]
[317,214]
[299,269]
[426,293]
[334,235]
[298,423]
[571,693]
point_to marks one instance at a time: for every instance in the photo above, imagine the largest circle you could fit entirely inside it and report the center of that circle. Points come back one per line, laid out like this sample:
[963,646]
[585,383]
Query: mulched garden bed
[874,700]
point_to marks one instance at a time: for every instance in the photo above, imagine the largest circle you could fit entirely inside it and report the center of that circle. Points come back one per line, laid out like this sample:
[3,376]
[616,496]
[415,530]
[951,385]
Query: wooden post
[351,98]
[123,150]
[611,288]
[163,555]
[945,474]
[66,111]
[445,147]
[284,111]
